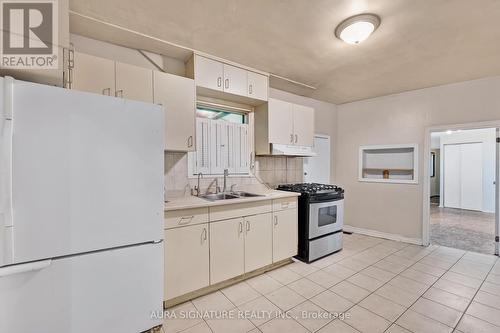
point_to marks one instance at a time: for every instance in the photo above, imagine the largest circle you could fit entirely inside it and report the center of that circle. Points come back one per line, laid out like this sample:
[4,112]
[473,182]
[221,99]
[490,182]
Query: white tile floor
[373,285]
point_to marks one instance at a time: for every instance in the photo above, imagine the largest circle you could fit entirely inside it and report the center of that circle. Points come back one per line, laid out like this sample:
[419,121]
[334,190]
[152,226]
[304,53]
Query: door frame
[426,180]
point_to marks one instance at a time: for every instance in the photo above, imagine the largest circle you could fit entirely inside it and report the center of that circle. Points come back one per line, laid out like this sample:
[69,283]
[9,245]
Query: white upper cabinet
[133,82]
[280,122]
[93,74]
[258,86]
[209,73]
[235,80]
[303,125]
[220,78]
[177,94]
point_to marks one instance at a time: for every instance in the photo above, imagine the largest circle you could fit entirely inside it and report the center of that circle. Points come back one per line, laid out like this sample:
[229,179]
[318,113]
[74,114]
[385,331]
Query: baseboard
[379,234]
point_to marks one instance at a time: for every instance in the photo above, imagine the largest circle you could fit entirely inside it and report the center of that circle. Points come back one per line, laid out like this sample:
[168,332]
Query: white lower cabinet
[285,234]
[227,247]
[207,246]
[186,259]
[258,241]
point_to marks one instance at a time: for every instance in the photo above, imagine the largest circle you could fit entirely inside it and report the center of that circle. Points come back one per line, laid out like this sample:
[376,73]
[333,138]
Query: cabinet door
[93,74]
[303,125]
[226,250]
[177,94]
[235,80]
[285,240]
[208,73]
[258,241]
[133,82]
[258,85]
[280,122]
[186,260]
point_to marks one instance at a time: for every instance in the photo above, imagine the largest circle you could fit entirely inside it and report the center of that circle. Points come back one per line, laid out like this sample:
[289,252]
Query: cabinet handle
[250,90]
[240,229]
[296,138]
[248,225]
[291,138]
[219,81]
[204,237]
[190,141]
[119,93]
[185,218]
[275,219]
[226,83]
[106,91]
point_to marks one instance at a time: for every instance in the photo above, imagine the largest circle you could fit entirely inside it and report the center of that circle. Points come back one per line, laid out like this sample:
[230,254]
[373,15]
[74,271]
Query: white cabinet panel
[280,122]
[133,82]
[258,86]
[285,234]
[303,125]
[209,73]
[186,260]
[235,80]
[226,250]
[177,94]
[94,74]
[258,241]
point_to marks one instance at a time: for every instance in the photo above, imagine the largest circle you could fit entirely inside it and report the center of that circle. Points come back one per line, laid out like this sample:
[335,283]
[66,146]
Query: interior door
[317,168]
[88,172]
[303,125]
[258,241]
[452,174]
[471,167]
[497,192]
[280,122]
[227,246]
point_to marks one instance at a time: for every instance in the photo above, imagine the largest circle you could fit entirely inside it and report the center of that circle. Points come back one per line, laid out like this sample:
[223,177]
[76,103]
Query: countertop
[187,202]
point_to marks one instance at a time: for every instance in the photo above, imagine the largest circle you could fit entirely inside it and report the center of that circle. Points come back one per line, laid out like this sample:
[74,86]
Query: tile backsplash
[272,170]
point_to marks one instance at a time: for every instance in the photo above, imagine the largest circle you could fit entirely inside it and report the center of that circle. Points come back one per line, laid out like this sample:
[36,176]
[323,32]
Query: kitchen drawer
[183,217]
[284,203]
[231,211]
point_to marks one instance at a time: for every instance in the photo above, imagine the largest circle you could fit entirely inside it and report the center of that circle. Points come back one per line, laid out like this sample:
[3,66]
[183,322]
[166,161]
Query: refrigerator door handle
[24,268]
[6,165]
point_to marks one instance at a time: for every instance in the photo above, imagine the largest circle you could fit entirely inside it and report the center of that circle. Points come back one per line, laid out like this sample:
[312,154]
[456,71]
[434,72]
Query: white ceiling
[420,43]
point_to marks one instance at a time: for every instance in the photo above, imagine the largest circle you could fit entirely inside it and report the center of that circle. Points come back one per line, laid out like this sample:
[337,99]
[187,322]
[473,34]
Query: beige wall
[325,118]
[402,118]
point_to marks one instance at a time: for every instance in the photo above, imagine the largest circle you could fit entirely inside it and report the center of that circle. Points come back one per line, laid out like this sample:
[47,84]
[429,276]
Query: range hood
[291,150]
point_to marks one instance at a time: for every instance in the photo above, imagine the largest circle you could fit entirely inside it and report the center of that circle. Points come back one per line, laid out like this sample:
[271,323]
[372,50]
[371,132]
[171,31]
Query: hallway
[463,229]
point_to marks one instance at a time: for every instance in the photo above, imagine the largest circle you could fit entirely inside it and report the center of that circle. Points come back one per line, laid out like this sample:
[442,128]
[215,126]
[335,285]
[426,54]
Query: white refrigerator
[81,211]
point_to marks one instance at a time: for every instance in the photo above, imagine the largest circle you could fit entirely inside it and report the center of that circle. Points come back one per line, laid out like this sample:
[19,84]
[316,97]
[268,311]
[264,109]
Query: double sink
[229,195]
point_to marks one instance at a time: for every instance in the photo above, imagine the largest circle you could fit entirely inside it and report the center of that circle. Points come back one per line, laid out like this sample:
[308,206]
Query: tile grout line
[472,300]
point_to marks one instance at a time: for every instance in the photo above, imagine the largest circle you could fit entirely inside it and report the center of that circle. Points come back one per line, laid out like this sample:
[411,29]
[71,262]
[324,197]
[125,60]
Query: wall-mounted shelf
[389,164]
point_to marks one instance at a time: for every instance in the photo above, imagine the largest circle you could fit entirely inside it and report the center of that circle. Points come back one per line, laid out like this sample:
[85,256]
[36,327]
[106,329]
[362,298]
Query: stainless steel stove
[321,219]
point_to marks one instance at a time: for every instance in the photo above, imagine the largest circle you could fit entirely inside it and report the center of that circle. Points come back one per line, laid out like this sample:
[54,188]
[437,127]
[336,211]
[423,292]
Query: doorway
[317,168]
[462,189]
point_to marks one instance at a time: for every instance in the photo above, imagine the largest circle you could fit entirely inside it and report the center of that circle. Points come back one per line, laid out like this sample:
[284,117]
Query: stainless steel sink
[218,196]
[227,196]
[243,194]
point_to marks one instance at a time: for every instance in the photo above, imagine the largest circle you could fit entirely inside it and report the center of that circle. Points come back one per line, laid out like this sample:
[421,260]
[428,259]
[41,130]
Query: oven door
[325,218]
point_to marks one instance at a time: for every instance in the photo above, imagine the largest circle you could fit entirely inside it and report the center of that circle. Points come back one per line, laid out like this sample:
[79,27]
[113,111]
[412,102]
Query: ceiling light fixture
[356,29]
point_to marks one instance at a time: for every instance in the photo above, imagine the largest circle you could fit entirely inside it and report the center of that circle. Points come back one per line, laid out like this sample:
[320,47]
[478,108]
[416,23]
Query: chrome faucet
[226,173]
[197,188]
[217,188]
